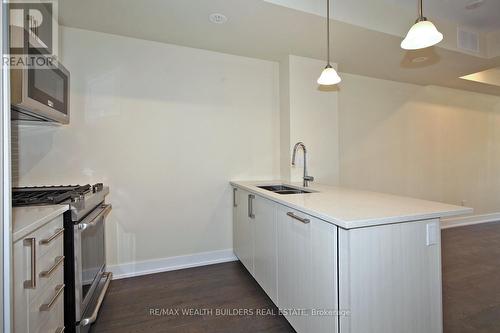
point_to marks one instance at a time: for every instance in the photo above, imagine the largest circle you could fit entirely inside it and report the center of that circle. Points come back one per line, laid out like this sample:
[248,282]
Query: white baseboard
[170,264]
[469,220]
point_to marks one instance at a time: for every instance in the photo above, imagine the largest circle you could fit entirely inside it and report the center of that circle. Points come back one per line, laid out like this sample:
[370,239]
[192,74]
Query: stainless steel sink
[283,189]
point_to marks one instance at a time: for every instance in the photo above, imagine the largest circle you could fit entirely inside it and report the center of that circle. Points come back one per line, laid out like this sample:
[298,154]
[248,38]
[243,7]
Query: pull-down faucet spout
[306,178]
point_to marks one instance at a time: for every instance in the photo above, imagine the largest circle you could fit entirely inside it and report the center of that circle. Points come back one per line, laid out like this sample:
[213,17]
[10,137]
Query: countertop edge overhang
[27,219]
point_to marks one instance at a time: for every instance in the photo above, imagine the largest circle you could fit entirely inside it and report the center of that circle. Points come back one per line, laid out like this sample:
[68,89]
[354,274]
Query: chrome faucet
[306,178]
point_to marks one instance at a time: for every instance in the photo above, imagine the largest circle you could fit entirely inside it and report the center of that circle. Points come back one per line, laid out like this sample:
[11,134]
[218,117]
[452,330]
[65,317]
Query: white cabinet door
[22,273]
[236,223]
[265,245]
[307,271]
[243,229]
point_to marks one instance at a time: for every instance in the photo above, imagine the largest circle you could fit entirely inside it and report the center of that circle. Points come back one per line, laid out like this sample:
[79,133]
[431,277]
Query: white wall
[311,114]
[166,127]
[426,142]
[285,144]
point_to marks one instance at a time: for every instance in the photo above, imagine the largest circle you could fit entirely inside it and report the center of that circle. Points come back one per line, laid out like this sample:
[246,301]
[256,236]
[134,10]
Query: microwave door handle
[93,220]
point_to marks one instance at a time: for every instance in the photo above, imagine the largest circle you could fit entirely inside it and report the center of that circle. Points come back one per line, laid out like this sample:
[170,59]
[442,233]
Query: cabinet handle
[49,240]
[250,206]
[58,262]
[234,197]
[301,219]
[31,284]
[60,329]
[48,306]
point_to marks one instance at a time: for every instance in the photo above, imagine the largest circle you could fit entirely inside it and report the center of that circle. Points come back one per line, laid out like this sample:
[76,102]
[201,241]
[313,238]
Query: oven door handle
[105,209]
[90,320]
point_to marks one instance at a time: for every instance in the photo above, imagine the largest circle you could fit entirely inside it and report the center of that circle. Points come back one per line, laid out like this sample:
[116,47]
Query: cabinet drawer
[55,279]
[47,309]
[55,321]
[47,266]
[49,236]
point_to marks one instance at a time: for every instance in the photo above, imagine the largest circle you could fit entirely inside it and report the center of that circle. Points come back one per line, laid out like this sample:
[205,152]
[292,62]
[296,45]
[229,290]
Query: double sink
[283,189]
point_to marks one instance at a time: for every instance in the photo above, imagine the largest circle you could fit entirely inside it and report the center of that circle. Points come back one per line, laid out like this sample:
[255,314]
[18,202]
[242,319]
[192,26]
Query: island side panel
[390,279]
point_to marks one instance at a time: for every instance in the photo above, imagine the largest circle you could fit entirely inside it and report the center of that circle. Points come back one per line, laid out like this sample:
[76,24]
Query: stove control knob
[97,187]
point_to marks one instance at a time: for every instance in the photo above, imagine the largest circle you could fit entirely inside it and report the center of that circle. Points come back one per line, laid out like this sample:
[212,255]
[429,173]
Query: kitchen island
[343,260]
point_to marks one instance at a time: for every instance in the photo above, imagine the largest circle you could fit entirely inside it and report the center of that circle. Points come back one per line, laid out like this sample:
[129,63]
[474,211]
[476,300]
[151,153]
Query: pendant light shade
[422,34]
[329,75]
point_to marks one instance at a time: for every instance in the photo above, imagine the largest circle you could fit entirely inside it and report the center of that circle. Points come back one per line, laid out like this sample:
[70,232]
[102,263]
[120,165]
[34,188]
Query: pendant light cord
[328,31]
[421,10]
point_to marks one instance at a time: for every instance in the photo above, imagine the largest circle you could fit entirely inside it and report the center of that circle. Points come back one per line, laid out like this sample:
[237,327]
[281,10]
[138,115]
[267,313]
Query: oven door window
[49,87]
[92,255]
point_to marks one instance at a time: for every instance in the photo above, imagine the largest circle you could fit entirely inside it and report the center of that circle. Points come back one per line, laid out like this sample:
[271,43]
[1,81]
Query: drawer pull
[251,197]
[31,284]
[49,240]
[60,329]
[57,263]
[59,291]
[293,216]
[234,197]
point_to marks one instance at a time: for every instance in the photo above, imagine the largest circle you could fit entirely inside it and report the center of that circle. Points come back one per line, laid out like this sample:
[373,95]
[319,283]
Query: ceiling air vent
[468,40]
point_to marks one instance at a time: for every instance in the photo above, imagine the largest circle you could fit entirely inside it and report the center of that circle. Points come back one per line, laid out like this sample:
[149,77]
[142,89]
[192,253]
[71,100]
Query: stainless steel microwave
[40,94]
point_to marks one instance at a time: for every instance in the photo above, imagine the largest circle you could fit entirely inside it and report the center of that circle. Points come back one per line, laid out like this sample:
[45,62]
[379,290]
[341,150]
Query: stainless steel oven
[40,94]
[91,280]
[85,278]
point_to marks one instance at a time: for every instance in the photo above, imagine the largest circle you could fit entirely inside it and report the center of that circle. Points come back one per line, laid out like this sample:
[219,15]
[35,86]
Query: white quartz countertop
[25,220]
[349,208]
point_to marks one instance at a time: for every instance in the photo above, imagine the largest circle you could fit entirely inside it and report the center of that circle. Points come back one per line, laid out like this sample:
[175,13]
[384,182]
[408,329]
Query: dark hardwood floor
[471,294]
[130,304]
[471,279]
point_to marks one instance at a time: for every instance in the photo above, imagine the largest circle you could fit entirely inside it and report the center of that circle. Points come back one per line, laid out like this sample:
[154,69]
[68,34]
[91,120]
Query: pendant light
[329,75]
[422,34]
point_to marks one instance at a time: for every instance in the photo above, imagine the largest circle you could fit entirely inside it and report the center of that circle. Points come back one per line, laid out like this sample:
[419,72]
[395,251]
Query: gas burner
[49,195]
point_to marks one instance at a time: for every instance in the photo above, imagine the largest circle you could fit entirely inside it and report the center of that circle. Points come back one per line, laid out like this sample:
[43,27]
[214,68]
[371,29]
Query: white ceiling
[484,18]
[259,29]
